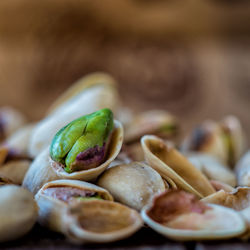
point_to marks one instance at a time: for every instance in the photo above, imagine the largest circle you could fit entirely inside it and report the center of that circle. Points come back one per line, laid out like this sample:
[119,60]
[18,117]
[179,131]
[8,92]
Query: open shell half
[189,219]
[169,163]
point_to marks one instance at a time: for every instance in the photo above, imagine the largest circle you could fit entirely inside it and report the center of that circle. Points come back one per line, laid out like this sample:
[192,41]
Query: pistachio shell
[3,154]
[43,169]
[206,139]
[238,199]
[179,215]
[132,184]
[19,140]
[91,93]
[214,229]
[243,170]
[212,168]
[89,220]
[150,122]
[10,121]
[232,126]
[171,164]
[18,212]
[101,222]
[51,209]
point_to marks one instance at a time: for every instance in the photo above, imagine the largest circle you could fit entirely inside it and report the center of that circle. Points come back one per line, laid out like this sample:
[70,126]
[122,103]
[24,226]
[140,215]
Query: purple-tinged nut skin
[90,158]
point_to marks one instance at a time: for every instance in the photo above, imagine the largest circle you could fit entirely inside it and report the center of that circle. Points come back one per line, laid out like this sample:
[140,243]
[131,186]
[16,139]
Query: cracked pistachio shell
[89,94]
[132,184]
[212,168]
[43,169]
[82,137]
[88,220]
[243,170]
[171,164]
[18,212]
[51,209]
[99,221]
[199,222]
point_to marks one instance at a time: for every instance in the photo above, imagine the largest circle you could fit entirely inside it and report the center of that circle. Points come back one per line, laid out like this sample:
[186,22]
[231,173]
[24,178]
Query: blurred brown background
[190,58]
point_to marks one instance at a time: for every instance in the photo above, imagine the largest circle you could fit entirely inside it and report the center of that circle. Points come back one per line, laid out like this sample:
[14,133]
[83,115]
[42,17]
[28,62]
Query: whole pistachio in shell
[44,169]
[83,143]
[132,184]
[18,212]
[181,216]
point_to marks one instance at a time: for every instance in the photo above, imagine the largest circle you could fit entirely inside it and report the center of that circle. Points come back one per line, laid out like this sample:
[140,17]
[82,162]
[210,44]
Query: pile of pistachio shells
[95,171]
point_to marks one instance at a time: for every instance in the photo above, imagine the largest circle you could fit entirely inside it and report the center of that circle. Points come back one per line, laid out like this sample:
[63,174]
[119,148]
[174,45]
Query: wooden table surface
[146,239]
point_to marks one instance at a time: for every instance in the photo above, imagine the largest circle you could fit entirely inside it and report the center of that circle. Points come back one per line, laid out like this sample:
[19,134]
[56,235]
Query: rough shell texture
[171,164]
[101,221]
[90,94]
[43,169]
[18,212]
[132,184]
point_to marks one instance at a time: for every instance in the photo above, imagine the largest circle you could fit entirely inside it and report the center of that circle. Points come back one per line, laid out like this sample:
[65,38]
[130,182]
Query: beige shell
[169,163]
[101,222]
[86,221]
[243,170]
[132,184]
[12,120]
[19,140]
[4,180]
[232,125]
[43,169]
[15,170]
[149,122]
[211,142]
[50,209]
[89,94]
[216,223]
[218,185]
[238,199]
[212,168]
[18,212]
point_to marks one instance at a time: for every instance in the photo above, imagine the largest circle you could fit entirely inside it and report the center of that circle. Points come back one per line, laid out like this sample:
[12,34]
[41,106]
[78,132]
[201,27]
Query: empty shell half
[178,215]
[169,163]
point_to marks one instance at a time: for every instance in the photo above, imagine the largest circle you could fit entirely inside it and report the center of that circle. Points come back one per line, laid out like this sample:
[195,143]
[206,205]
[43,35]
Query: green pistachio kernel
[76,144]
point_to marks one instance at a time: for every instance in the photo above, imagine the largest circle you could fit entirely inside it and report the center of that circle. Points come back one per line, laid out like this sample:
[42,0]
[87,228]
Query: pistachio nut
[83,143]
